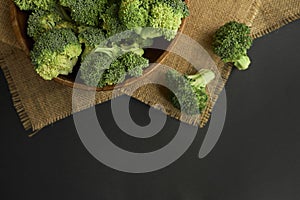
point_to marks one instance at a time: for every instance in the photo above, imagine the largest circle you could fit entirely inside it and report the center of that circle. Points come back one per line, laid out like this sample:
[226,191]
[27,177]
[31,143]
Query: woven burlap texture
[40,103]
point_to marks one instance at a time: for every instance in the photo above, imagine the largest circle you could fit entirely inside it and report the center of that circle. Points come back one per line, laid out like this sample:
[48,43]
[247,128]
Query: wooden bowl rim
[14,12]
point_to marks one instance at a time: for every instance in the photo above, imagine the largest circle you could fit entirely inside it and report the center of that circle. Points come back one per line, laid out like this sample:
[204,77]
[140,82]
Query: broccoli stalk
[189,92]
[242,63]
[231,43]
[201,79]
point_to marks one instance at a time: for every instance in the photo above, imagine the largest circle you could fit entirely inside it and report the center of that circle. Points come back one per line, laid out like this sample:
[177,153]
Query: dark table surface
[257,156]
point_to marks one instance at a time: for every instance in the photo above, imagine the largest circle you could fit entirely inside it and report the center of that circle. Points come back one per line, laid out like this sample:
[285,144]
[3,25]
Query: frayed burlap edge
[15,97]
[278,25]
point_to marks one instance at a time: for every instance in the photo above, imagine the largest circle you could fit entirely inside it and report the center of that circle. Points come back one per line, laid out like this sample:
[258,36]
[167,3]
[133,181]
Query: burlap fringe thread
[276,26]
[15,97]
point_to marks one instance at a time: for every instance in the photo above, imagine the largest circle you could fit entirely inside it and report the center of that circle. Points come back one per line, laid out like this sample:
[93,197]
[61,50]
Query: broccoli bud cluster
[189,91]
[231,43]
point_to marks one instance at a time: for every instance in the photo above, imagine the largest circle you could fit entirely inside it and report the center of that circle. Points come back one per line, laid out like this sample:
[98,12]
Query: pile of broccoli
[106,37]
[189,91]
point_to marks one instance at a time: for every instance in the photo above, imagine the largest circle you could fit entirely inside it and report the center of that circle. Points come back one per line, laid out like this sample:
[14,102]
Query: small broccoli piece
[35,4]
[55,52]
[111,22]
[134,13]
[41,21]
[129,63]
[86,12]
[231,43]
[115,74]
[178,6]
[189,92]
[109,65]
[93,67]
[91,38]
[133,63]
[163,15]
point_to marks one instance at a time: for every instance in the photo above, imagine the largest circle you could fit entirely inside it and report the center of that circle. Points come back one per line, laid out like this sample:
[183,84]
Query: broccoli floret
[231,43]
[129,63]
[86,12]
[115,74]
[134,13]
[133,63]
[111,22]
[55,52]
[41,21]
[189,92]
[35,4]
[93,67]
[178,6]
[109,65]
[112,70]
[91,38]
[163,15]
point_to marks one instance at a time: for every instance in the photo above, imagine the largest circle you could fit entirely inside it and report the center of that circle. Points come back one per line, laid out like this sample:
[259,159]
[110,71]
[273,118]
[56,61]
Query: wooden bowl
[19,23]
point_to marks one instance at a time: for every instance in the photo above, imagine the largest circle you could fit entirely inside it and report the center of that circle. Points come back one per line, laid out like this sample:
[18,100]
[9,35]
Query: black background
[257,156]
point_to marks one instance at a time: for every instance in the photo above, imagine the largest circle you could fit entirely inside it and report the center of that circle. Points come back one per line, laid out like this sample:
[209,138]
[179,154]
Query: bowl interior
[19,22]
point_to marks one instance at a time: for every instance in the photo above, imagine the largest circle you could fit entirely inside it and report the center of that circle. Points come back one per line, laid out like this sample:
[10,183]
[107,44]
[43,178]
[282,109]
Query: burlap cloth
[40,103]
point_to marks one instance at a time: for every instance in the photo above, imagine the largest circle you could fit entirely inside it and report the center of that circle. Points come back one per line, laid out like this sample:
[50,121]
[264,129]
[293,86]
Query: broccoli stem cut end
[202,78]
[243,63]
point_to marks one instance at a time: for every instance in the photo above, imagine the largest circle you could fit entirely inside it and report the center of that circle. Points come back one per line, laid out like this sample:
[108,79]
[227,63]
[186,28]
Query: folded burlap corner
[40,103]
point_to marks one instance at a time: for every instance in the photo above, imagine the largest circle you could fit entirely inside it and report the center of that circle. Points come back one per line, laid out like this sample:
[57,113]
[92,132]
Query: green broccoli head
[231,43]
[163,15]
[134,13]
[86,12]
[110,65]
[93,67]
[115,74]
[41,21]
[189,92]
[55,52]
[91,37]
[178,6]
[111,22]
[35,4]
[129,63]
[133,63]
[164,18]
